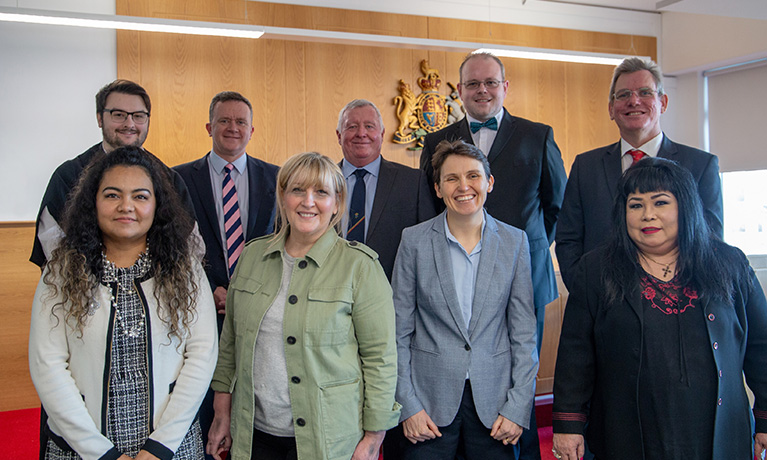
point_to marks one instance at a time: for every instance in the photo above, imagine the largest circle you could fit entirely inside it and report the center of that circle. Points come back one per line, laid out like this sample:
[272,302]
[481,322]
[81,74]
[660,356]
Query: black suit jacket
[262,182]
[586,217]
[402,200]
[529,183]
[64,180]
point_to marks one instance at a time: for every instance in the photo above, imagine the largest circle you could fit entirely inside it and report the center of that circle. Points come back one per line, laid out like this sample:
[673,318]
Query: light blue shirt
[371,182]
[239,175]
[465,266]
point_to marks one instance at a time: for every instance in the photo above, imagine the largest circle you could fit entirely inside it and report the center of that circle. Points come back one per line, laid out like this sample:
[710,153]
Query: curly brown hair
[76,265]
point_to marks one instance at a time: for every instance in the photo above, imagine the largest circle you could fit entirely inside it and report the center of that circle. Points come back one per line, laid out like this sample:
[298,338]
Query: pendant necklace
[666,268]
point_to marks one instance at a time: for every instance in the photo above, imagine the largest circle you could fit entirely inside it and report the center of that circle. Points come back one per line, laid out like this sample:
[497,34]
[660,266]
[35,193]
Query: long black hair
[702,263]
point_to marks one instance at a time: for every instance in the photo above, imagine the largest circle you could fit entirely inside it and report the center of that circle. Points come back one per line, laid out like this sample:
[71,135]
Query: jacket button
[295,379]
[293,300]
[467,347]
[291,340]
[352,243]
[716,345]
[300,422]
[719,402]
[711,317]
[302,264]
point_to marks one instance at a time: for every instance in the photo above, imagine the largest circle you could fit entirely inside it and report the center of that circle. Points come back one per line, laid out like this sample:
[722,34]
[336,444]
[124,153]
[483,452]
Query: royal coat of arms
[428,112]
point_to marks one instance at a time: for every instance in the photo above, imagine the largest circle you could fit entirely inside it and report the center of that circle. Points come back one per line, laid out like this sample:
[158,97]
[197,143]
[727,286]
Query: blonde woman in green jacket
[307,362]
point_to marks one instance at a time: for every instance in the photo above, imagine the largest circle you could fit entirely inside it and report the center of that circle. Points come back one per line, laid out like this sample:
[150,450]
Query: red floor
[21,429]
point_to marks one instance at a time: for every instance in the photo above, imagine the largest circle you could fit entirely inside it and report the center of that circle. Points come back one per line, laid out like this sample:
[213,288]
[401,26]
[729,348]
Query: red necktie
[636,155]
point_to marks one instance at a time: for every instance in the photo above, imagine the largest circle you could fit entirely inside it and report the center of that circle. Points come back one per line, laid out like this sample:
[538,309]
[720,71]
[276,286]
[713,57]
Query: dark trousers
[206,412]
[270,447]
[529,445]
[465,438]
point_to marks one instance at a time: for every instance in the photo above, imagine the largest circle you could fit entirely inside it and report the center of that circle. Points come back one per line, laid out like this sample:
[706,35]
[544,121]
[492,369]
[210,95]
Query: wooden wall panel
[297,89]
[18,280]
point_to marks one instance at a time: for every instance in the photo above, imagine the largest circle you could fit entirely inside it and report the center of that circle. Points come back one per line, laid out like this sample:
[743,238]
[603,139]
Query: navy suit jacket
[529,184]
[262,182]
[435,348]
[586,217]
[402,199]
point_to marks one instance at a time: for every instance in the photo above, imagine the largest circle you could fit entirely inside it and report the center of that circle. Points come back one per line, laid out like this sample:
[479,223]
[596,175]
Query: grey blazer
[434,349]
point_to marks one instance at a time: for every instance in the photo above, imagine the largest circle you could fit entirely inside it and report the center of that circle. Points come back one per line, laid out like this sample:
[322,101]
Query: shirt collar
[650,148]
[498,117]
[318,253]
[218,163]
[452,238]
[372,168]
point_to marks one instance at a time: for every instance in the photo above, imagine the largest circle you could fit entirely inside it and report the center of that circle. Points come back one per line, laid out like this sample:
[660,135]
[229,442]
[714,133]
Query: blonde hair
[310,169]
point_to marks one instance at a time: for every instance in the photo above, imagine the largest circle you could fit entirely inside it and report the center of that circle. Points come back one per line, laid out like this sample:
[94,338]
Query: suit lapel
[386,179]
[201,181]
[445,273]
[613,169]
[503,136]
[484,281]
[255,173]
[667,149]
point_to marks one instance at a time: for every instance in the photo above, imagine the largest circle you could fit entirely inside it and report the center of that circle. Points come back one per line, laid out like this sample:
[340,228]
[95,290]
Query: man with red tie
[636,102]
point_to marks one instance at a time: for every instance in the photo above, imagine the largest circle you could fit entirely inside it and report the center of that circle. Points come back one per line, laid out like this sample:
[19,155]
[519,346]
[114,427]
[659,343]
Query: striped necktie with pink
[235,239]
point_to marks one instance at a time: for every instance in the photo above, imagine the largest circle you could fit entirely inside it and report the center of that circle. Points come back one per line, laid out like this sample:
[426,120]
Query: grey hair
[635,64]
[357,103]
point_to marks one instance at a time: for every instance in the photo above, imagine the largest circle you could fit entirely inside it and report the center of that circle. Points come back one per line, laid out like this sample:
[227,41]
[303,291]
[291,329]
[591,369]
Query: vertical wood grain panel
[18,280]
[297,89]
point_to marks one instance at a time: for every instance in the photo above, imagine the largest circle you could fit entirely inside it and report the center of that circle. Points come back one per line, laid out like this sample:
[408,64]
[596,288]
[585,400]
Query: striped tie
[235,240]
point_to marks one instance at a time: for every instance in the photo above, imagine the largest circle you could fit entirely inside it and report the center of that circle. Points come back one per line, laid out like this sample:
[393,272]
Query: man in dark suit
[123,113]
[636,103]
[224,184]
[390,198]
[395,196]
[529,178]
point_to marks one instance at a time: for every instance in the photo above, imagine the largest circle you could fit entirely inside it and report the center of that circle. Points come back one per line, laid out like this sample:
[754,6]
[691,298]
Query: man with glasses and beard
[122,112]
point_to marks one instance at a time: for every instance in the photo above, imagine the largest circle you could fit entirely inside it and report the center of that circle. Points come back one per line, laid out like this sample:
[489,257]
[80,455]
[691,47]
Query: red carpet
[21,429]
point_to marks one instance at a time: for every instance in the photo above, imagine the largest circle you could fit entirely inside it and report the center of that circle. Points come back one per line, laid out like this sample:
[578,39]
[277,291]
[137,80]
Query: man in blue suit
[529,178]
[636,103]
[227,172]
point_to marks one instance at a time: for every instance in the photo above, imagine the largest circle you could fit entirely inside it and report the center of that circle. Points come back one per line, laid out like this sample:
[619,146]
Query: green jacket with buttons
[339,341]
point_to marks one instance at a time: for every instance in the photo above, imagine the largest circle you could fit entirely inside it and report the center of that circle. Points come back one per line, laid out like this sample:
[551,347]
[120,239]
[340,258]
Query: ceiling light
[556,55]
[104,21]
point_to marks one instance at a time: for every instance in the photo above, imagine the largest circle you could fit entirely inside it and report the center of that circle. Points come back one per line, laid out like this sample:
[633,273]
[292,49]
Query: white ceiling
[753,9]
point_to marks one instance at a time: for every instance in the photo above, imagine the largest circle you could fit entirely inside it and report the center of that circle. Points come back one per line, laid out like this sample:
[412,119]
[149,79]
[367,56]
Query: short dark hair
[484,55]
[458,147]
[635,64]
[225,96]
[124,87]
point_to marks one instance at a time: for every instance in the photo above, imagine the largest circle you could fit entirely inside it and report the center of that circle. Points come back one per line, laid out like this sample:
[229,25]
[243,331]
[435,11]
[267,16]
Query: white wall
[48,79]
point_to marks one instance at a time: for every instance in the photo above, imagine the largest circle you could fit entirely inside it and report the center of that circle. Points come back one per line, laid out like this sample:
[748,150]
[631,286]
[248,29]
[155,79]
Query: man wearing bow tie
[529,176]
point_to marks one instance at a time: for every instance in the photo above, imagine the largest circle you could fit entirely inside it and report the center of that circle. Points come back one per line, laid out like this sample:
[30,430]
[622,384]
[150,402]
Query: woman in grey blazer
[466,330]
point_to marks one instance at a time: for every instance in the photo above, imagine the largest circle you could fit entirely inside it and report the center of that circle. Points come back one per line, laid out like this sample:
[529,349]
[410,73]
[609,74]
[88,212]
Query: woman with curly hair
[123,342]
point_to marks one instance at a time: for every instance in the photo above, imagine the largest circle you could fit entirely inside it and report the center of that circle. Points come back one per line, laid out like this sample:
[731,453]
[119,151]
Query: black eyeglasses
[120,116]
[474,84]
